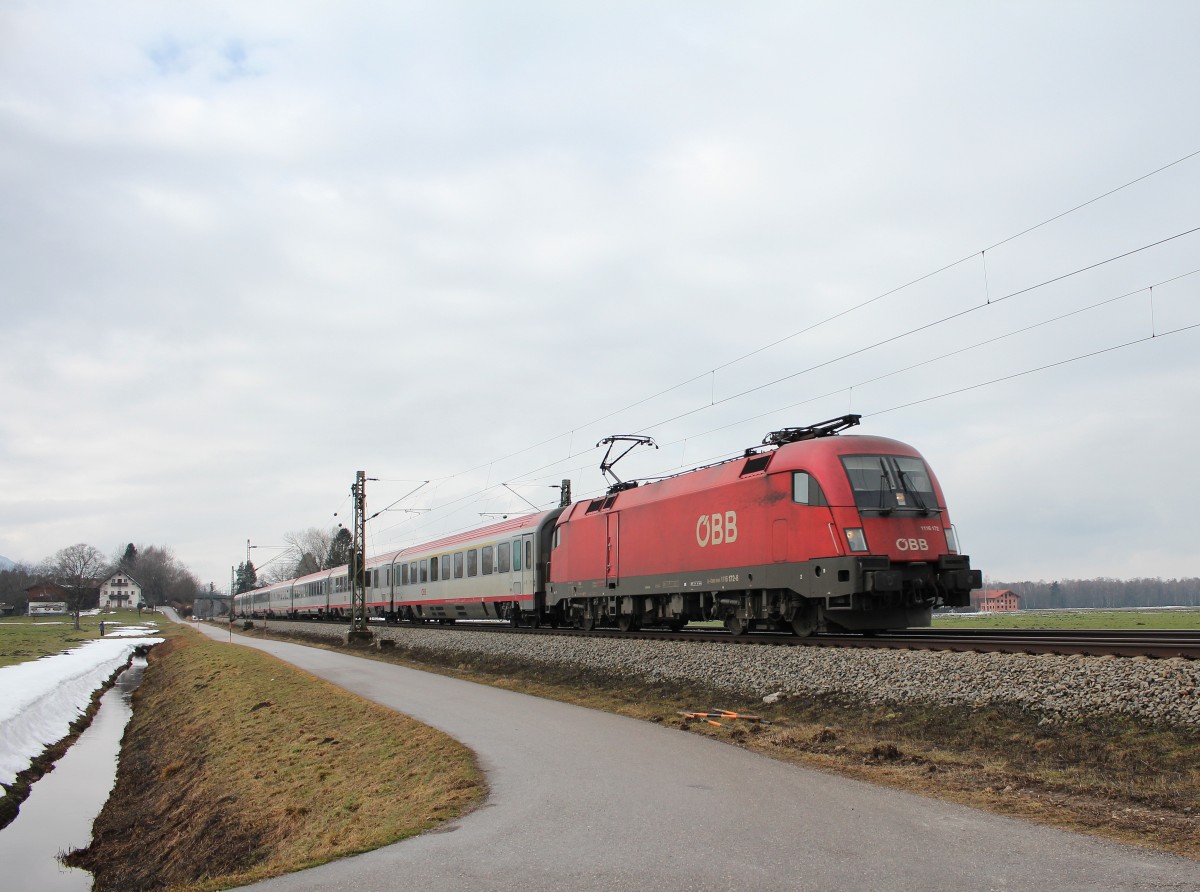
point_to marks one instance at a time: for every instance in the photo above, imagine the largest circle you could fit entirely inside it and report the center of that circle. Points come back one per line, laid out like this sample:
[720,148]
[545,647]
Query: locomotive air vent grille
[608,503]
[595,506]
[756,464]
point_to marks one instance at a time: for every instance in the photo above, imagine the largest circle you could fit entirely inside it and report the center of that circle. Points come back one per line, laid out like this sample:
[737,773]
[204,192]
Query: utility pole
[358,560]
[564,498]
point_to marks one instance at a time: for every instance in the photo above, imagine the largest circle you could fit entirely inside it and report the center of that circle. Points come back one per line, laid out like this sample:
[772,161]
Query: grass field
[25,638]
[236,767]
[1184,618]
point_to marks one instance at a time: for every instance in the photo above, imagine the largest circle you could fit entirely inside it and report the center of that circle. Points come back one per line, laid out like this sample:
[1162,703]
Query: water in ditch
[57,817]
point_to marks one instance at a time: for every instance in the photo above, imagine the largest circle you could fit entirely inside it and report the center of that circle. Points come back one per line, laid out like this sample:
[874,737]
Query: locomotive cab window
[890,483]
[806,490]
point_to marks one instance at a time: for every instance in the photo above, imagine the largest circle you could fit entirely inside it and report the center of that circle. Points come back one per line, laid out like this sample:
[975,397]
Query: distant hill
[6,564]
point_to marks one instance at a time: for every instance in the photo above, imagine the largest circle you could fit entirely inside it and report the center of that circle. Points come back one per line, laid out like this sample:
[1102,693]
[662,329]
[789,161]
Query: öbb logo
[912,544]
[714,529]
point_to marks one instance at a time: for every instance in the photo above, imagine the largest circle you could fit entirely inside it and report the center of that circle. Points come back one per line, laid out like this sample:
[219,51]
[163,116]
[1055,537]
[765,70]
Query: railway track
[1159,644]
[1153,643]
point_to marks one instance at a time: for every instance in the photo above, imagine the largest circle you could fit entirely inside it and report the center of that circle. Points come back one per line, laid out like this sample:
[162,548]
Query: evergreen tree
[247,577]
[339,549]
[128,560]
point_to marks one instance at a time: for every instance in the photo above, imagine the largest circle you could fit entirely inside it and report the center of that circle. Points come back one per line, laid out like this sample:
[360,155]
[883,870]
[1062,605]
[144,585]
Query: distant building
[995,600]
[47,599]
[120,591]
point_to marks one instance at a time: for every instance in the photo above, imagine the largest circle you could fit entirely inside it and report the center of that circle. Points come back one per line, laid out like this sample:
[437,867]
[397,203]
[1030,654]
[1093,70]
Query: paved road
[584,800]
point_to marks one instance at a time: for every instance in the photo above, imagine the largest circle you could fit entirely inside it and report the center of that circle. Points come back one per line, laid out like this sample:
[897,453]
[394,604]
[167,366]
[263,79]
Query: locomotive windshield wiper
[885,485]
[903,477]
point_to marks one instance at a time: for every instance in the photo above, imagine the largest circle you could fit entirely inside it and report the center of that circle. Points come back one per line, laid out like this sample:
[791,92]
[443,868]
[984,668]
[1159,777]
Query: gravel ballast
[1058,687]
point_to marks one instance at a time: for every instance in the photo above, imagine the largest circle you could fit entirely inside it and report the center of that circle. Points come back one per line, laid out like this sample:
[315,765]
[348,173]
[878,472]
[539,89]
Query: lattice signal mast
[358,560]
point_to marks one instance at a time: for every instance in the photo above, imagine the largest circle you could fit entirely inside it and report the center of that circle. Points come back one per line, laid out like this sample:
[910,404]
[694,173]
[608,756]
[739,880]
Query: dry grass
[237,767]
[1107,776]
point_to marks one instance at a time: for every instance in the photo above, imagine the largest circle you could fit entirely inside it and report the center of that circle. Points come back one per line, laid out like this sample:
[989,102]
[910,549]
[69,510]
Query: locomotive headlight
[951,540]
[855,539]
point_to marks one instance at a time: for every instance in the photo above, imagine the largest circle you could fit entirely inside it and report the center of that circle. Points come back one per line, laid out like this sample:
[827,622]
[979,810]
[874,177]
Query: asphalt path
[583,800]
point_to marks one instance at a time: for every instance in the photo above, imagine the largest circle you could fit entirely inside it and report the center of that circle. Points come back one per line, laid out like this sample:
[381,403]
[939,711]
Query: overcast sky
[248,249]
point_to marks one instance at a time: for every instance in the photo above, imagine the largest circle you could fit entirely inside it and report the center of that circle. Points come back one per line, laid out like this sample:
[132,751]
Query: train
[813,531]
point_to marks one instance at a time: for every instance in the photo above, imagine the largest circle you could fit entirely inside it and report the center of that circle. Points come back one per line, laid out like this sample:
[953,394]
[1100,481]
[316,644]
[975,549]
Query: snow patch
[40,699]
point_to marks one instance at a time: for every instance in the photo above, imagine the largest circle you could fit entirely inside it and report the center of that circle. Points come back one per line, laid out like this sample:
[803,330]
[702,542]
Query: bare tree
[162,577]
[311,546]
[77,569]
[13,585]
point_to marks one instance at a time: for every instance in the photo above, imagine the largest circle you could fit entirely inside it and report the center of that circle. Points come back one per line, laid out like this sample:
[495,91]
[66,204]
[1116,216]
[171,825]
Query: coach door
[522,566]
[612,552]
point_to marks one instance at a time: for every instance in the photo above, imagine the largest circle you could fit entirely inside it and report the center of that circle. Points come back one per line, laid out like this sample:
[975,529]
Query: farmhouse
[996,600]
[47,599]
[120,591]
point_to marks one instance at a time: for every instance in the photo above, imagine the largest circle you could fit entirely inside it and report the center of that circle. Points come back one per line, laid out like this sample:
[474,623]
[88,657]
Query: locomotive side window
[458,565]
[502,552]
[487,559]
[806,490]
[445,566]
[473,562]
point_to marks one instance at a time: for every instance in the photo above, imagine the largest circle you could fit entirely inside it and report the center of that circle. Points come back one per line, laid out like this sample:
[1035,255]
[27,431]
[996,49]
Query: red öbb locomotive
[814,531]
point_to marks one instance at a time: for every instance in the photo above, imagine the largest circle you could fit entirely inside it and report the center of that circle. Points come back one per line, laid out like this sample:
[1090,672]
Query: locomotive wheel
[535,620]
[736,625]
[676,623]
[627,622]
[804,623]
[587,622]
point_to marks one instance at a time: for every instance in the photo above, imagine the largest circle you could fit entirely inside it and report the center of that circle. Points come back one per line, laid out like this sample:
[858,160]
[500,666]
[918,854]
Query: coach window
[516,547]
[445,566]
[806,490]
[425,571]
[412,573]
[487,559]
[433,570]
[472,562]
[502,551]
[458,565]
[404,574]
[529,554]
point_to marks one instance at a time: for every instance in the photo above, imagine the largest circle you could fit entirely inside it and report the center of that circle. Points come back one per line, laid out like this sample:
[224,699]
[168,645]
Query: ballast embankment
[1061,688]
